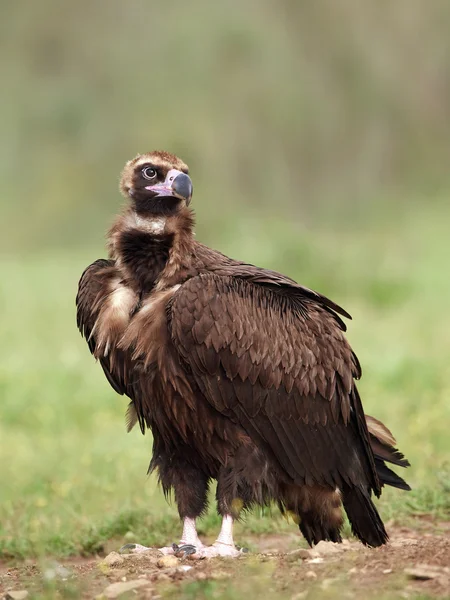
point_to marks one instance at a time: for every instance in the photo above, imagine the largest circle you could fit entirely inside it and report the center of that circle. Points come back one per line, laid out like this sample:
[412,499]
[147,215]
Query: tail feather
[364,519]
[383,447]
[315,530]
[388,477]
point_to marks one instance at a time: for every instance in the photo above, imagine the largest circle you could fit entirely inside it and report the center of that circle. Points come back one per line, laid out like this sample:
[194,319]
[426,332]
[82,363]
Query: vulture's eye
[149,173]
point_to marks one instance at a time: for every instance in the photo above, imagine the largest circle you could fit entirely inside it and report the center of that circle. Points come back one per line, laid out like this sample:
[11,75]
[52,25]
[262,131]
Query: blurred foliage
[314,111]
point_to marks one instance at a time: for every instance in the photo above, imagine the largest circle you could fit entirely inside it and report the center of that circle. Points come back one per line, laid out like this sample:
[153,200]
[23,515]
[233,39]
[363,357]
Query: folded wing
[279,365]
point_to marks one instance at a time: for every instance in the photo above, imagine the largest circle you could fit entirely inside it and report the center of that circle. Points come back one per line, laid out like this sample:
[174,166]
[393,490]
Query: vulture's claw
[184,550]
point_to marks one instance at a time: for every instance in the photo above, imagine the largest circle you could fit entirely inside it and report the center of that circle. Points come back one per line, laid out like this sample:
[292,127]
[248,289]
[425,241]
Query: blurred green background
[318,138]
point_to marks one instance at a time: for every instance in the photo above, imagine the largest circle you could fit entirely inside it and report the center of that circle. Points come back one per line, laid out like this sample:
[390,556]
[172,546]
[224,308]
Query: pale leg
[190,535]
[189,538]
[224,545]
[190,544]
[226,532]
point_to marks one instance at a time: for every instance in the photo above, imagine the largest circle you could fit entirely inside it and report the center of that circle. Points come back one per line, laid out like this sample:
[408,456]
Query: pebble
[165,562]
[300,554]
[113,559]
[324,548]
[316,560]
[185,568]
[16,595]
[115,590]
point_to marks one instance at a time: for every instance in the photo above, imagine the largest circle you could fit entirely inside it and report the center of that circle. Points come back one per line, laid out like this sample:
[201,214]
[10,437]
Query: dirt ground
[414,563]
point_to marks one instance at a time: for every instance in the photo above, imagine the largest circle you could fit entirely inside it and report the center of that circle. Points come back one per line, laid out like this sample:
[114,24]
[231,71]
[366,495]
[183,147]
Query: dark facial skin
[158,189]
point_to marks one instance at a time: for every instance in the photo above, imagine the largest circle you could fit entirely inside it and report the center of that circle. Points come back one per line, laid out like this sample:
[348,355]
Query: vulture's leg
[224,545]
[190,542]
[190,486]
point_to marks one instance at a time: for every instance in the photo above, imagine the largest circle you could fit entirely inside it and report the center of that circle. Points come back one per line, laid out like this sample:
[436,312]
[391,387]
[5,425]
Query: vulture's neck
[152,251]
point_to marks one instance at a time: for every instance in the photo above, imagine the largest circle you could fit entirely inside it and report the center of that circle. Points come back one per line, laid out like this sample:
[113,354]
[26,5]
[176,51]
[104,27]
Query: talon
[185,550]
[133,549]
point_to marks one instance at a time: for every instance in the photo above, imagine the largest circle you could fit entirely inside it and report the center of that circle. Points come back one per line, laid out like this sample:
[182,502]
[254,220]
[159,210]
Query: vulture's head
[156,183]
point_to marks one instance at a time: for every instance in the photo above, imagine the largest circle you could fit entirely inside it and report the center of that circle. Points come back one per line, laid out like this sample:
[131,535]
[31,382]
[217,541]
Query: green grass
[72,479]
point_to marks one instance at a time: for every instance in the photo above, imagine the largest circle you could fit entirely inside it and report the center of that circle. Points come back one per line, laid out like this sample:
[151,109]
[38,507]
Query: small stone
[300,554]
[115,590]
[315,561]
[310,575]
[387,571]
[165,562]
[113,560]
[325,548]
[185,568]
[16,595]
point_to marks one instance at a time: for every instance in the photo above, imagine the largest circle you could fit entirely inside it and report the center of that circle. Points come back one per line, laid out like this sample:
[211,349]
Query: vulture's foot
[191,546]
[218,549]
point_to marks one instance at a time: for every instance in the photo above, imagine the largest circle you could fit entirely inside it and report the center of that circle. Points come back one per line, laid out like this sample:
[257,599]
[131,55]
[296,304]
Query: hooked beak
[176,184]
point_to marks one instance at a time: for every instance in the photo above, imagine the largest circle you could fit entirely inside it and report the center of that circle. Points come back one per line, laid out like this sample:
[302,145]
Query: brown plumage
[241,374]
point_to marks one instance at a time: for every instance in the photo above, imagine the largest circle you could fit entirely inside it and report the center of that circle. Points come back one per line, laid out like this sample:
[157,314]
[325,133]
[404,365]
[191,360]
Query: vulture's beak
[177,184]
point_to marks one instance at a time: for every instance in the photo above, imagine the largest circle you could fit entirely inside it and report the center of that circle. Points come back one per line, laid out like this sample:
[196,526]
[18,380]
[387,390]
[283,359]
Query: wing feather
[92,290]
[282,368]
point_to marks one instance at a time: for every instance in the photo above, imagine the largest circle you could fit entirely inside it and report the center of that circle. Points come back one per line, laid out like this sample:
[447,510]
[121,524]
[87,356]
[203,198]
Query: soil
[415,562]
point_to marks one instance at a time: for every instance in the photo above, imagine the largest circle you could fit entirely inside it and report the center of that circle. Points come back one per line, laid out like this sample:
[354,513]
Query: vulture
[242,375]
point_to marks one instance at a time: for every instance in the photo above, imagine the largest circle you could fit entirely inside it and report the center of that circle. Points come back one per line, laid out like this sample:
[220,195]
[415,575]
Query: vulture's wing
[89,297]
[91,294]
[279,364]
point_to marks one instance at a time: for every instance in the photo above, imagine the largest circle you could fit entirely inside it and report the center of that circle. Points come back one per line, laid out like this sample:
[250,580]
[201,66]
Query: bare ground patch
[416,562]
